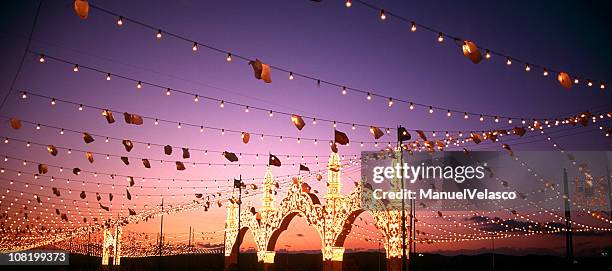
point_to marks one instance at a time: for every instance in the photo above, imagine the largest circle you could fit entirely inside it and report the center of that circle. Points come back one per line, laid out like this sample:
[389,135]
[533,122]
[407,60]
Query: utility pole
[238,183]
[400,142]
[161,229]
[569,244]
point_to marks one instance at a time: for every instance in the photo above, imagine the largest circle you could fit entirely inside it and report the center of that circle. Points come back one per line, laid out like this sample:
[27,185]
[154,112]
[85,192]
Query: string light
[41,59]
[168,92]
[76,68]
[195,98]
[194,47]
[430,110]
[508,61]
[108,77]
[24,95]
[390,102]
[290,75]
[222,104]
[487,54]
[139,85]
[590,83]
[369,97]
[120,21]
[440,37]
[602,85]
[411,106]
[229,57]
[80,107]
[159,34]
[545,73]
[271,114]
[448,113]
[343,90]
[348,3]
[246,109]
[527,67]
[413,26]
[382,15]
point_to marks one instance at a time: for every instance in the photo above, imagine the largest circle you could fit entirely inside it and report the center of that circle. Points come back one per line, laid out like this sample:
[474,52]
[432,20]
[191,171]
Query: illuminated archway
[332,221]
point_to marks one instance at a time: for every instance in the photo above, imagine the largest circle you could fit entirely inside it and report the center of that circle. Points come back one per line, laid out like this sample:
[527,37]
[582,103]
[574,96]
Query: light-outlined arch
[332,220]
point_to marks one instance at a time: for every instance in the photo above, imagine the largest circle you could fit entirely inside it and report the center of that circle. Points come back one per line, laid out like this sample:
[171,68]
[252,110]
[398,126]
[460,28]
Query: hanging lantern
[52,150]
[180,165]
[376,132]
[90,157]
[298,122]
[564,80]
[168,150]
[42,169]
[422,135]
[146,163]
[88,138]
[125,160]
[108,115]
[128,145]
[470,50]
[15,123]
[186,154]
[132,118]
[261,70]
[81,8]
[245,137]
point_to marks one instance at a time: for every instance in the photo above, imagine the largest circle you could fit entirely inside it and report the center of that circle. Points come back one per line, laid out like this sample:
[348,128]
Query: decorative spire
[268,191]
[334,183]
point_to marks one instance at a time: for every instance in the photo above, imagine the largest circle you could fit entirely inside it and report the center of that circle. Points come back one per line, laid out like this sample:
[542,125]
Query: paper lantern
[42,169]
[89,156]
[88,138]
[168,150]
[470,50]
[180,165]
[128,145]
[261,70]
[245,137]
[125,160]
[340,137]
[230,156]
[132,118]
[15,123]
[565,80]
[298,121]
[108,115]
[186,154]
[52,150]
[81,8]
[146,163]
[376,132]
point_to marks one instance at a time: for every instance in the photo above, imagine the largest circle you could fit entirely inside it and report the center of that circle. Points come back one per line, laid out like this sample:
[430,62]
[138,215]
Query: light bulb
[411,106]
[590,83]
[76,68]
[369,97]
[168,92]
[246,109]
[348,3]
[488,54]
[466,116]
[222,104]
[290,75]
[382,15]
[159,34]
[80,107]
[196,98]
[440,37]
[53,101]
[390,102]
[120,21]
[545,73]
[527,67]
[430,110]
[229,57]
[413,26]
[508,62]
[271,114]
[448,114]
[139,85]
[108,77]
[195,47]
[343,90]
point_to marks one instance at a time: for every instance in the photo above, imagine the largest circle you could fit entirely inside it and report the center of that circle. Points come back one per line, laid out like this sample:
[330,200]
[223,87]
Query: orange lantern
[564,80]
[81,8]
[470,50]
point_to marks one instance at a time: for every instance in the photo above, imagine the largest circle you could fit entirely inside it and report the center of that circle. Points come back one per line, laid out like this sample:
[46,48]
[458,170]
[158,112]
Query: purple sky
[325,40]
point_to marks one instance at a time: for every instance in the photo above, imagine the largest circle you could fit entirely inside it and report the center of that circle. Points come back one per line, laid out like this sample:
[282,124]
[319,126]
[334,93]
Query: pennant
[125,160]
[81,8]
[15,123]
[132,212]
[89,156]
[245,137]
[470,50]
[108,115]
[237,183]
[146,163]
[132,118]
[88,138]
[128,145]
[402,134]
[186,154]
[261,70]
[168,150]
[376,132]
[180,165]
[298,122]
[340,137]
[230,156]
[304,168]
[42,169]
[273,161]
[52,150]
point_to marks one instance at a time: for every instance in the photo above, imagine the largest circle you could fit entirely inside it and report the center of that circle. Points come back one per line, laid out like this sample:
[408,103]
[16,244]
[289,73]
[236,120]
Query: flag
[237,183]
[273,161]
[304,168]
[230,156]
[402,134]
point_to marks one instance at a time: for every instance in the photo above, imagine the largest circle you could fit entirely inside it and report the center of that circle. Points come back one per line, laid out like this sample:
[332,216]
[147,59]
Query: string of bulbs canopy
[159,34]
[472,51]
